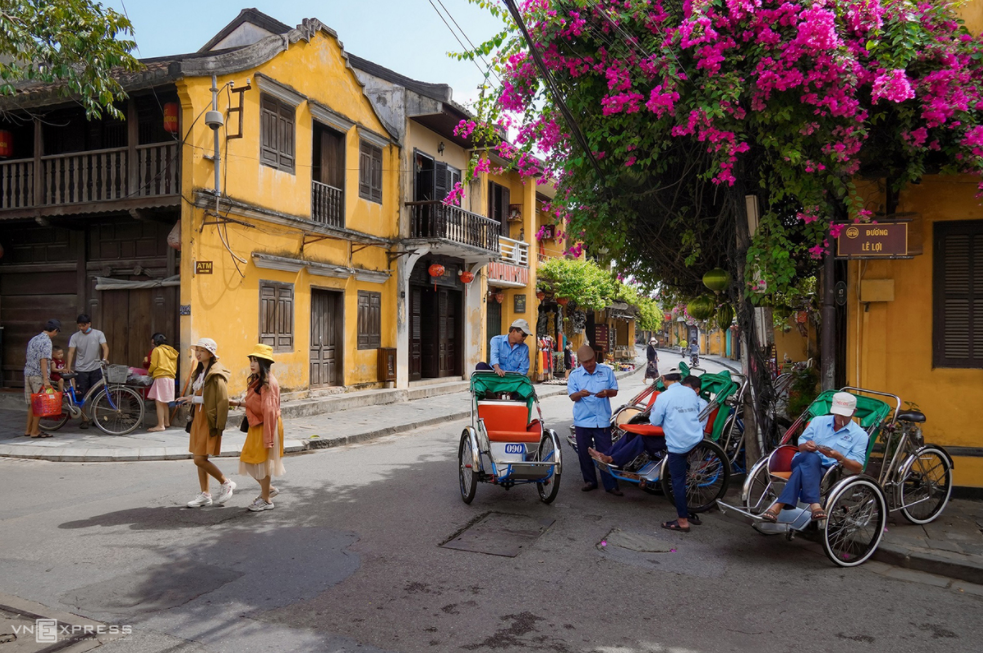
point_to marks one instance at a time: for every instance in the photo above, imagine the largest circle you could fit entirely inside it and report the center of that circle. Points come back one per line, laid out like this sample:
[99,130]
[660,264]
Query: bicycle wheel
[548,489]
[857,517]
[117,410]
[466,474]
[55,422]
[706,480]
[926,484]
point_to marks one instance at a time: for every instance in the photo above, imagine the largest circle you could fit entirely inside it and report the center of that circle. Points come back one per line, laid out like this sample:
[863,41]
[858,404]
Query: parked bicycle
[115,408]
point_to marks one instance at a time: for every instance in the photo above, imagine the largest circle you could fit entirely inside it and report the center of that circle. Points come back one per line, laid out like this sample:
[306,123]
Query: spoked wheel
[706,479]
[548,489]
[117,410]
[466,472]
[857,516]
[55,422]
[761,490]
[926,484]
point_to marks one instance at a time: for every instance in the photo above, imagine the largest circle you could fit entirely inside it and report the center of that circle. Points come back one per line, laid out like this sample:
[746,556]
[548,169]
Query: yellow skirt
[202,443]
[258,461]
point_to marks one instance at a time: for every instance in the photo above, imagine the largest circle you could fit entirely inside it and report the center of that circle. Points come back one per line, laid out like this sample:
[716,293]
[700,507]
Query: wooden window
[498,204]
[369,320]
[277,128]
[370,172]
[276,315]
[957,329]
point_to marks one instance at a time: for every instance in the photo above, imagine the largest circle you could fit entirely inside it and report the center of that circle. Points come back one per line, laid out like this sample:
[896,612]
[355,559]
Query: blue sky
[407,36]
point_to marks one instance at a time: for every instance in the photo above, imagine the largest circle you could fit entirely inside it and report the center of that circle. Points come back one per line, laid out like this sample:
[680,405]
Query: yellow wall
[792,342]
[225,304]
[890,345]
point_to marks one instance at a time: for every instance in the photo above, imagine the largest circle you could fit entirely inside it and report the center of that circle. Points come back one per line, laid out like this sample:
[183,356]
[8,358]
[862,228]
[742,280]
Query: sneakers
[259,505]
[203,499]
[227,489]
[273,493]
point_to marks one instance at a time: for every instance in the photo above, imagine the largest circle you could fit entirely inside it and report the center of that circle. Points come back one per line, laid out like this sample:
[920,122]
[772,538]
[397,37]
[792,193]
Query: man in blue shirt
[828,440]
[590,387]
[509,353]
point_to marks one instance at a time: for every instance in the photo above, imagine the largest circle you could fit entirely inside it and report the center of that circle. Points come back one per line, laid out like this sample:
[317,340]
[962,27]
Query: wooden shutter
[957,333]
[503,211]
[377,174]
[269,129]
[286,129]
[285,318]
[441,182]
[364,171]
[267,314]
[369,320]
[492,201]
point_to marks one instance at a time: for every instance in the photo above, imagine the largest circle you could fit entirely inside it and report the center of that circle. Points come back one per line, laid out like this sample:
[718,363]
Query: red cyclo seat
[655,395]
[506,421]
[712,419]
[642,429]
[780,463]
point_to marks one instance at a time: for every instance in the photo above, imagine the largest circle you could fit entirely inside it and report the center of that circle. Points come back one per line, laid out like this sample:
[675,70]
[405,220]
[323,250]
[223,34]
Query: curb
[142,454]
[900,556]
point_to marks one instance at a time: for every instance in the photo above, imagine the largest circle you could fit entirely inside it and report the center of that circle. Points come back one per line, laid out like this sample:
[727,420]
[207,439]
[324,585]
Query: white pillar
[474,317]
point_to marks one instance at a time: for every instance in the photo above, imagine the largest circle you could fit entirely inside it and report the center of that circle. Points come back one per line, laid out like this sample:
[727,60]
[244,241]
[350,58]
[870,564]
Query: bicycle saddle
[68,376]
[911,416]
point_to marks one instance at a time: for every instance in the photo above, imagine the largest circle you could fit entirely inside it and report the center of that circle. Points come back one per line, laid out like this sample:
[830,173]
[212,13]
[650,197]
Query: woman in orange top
[262,453]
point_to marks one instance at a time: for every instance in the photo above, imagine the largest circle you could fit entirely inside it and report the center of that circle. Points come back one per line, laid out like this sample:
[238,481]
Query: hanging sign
[881,240]
[518,303]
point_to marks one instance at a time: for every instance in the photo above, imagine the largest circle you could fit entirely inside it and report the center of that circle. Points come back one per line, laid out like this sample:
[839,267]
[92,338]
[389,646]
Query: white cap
[844,404]
[521,324]
[208,344]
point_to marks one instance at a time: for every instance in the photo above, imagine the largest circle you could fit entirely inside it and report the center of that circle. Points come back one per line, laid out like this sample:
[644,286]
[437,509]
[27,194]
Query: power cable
[465,35]
[461,43]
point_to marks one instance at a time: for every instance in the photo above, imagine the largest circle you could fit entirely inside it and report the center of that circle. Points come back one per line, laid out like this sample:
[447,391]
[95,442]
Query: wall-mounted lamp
[440,148]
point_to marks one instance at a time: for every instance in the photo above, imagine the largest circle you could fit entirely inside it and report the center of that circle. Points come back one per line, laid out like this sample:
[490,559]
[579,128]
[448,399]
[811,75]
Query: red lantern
[467,277]
[171,110]
[436,271]
[499,297]
[6,144]
[540,295]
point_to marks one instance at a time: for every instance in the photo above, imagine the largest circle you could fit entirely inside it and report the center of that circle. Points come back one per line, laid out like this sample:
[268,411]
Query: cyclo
[901,473]
[505,444]
[709,469]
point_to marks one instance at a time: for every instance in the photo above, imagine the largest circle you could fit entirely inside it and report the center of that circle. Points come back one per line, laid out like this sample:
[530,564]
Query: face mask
[87,331]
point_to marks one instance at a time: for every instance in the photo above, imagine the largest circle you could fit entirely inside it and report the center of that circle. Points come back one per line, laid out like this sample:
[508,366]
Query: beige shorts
[32,385]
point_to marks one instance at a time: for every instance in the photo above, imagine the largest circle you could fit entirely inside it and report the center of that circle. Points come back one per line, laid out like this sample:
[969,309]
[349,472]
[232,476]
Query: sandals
[40,436]
[674,526]
[695,520]
[770,517]
[819,514]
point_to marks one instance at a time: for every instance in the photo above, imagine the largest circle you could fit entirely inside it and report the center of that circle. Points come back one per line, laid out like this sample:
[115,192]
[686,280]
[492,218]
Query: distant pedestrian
[652,356]
[568,359]
[87,348]
[210,410]
[262,453]
[590,387]
[37,372]
[163,369]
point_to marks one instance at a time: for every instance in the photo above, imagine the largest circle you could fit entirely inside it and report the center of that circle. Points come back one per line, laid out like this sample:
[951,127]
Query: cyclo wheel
[926,485]
[707,479]
[760,489]
[857,515]
[57,421]
[547,453]
[465,468]
[117,410]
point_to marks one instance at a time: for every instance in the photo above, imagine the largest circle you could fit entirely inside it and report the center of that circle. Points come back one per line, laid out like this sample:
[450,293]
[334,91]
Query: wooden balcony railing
[91,176]
[327,205]
[434,219]
[515,252]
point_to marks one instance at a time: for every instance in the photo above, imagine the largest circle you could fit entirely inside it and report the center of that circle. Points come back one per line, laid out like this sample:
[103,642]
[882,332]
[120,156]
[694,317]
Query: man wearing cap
[828,440]
[509,353]
[590,387]
[37,373]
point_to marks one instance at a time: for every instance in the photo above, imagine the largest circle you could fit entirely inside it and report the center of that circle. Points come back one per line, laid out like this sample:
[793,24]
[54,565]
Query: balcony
[457,232]
[83,178]
[514,252]
[327,205]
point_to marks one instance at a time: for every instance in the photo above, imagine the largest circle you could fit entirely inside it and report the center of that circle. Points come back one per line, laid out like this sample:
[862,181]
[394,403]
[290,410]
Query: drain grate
[499,534]
[635,542]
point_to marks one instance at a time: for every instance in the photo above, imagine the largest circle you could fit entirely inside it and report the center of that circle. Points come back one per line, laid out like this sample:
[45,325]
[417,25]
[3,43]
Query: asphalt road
[350,560]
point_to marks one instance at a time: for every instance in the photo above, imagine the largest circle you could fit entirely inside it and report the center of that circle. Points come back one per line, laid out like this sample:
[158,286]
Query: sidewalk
[669,358]
[337,428]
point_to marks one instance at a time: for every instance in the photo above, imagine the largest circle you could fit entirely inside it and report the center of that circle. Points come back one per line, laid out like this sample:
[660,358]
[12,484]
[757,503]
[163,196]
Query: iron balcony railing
[434,219]
[91,176]
[327,205]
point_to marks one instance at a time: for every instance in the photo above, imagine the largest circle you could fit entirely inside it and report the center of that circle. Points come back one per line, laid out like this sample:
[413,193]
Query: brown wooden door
[430,328]
[449,311]
[131,317]
[416,333]
[326,345]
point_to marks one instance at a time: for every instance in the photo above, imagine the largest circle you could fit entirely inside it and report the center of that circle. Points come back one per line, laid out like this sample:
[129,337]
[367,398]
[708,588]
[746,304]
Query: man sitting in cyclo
[828,440]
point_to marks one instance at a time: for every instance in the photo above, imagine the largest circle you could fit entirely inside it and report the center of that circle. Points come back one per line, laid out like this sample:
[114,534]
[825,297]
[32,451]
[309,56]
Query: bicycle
[115,408]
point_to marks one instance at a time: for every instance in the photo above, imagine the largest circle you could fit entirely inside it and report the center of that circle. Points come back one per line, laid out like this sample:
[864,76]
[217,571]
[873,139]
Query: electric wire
[461,43]
[465,35]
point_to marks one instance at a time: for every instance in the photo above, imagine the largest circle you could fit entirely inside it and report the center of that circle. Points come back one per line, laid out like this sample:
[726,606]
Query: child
[58,366]
[163,369]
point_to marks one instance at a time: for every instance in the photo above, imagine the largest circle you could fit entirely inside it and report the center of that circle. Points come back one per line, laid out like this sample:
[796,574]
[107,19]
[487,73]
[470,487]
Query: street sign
[203,267]
[518,303]
[881,240]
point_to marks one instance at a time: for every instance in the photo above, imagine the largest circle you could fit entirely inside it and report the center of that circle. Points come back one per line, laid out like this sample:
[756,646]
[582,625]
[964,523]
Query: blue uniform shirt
[592,412]
[507,357]
[677,411]
[851,440]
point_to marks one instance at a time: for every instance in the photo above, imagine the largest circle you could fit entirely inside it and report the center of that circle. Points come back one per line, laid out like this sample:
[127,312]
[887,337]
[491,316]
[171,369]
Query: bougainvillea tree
[687,107]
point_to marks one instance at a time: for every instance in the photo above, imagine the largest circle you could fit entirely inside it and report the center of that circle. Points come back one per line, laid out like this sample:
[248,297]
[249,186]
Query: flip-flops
[674,526]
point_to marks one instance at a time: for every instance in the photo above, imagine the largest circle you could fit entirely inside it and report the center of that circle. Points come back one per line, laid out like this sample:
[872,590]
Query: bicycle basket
[117,373]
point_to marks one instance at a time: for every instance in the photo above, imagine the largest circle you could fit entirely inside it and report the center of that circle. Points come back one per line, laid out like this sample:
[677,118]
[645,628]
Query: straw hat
[262,351]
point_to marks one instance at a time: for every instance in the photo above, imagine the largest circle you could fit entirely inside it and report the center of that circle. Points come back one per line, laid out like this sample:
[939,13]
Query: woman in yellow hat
[262,453]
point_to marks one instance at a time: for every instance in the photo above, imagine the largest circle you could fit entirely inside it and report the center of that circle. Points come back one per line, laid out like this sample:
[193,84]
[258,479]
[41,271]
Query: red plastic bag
[46,403]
